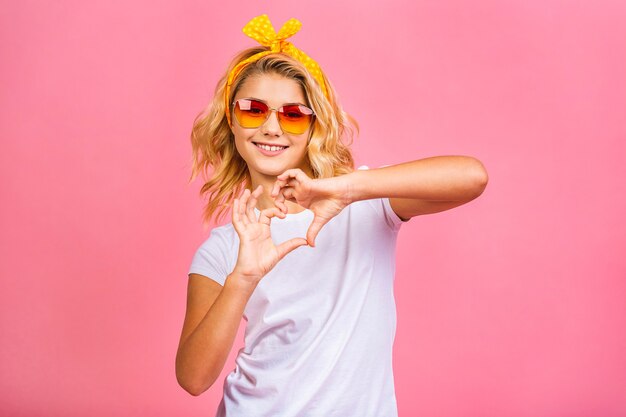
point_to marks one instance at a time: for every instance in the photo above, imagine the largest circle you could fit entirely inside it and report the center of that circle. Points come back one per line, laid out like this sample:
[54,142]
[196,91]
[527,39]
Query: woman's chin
[273,168]
[273,171]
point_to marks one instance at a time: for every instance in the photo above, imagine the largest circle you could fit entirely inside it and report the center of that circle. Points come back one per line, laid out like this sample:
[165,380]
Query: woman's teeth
[270,148]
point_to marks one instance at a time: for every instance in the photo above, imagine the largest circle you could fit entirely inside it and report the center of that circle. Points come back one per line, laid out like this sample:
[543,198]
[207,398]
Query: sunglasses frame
[270,110]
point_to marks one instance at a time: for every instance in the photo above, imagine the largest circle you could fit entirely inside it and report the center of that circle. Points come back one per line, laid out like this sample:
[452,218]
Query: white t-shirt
[321,324]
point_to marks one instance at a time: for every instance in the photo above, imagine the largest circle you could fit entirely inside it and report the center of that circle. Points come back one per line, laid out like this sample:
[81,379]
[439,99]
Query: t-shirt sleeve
[211,258]
[383,208]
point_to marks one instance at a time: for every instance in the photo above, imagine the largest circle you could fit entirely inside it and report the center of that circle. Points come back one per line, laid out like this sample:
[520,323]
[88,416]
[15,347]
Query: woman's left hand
[325,197]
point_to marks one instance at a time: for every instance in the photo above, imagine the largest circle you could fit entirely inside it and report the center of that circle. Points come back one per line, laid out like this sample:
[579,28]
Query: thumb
[314,229]
[289,245]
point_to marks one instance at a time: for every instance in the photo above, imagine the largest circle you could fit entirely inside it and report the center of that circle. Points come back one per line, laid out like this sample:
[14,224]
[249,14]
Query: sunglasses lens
[295,118]
[250,113]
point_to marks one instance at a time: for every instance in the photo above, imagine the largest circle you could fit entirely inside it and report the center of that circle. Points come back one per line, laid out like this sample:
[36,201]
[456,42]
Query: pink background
[513,305]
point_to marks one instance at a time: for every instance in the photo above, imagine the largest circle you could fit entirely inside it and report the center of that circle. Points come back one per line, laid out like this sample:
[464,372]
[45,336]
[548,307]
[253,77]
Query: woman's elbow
[193,389]
[479,179]
[191,383]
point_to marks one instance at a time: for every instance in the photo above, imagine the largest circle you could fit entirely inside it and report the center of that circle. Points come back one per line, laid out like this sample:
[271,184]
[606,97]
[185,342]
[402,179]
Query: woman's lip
[270,144]
[269,153]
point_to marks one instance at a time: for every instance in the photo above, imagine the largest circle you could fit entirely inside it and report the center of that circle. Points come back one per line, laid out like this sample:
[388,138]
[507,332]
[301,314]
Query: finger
[280,199]
[238,207]
[314,229]
[288,193]
[277,186]
[281,205]
[296,173]
[243,201]
[288,183]
[236,219]
[252,204]
[259,190]
[291,244]
[268,213]
[290,175]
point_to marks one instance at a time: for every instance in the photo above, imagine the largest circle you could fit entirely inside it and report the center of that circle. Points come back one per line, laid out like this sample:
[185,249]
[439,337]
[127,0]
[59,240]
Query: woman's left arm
[423,186]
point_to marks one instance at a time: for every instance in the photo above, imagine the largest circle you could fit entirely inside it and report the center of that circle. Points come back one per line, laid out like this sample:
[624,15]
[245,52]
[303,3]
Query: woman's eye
[294,115]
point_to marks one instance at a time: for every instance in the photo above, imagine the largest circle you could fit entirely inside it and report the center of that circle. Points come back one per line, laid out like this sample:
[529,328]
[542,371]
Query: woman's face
[275,90]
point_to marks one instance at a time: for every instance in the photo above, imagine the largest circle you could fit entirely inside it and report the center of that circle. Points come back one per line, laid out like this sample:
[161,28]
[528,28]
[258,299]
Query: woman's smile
[270,149]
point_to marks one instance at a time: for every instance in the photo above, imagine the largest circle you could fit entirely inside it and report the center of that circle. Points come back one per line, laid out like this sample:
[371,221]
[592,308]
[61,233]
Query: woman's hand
[325,197]
[257,252]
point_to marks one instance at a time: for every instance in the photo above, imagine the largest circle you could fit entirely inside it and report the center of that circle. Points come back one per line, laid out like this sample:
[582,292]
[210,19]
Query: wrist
[352,186]
[242,282]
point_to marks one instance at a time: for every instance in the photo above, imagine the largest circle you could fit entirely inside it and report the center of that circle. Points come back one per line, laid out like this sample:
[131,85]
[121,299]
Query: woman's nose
[271,125]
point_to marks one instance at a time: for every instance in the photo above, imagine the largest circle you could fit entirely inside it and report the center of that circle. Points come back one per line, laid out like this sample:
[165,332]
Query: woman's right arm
[214,312]
[211,322]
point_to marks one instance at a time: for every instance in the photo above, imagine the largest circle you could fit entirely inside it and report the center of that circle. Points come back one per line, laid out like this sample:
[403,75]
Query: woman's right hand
[257,252]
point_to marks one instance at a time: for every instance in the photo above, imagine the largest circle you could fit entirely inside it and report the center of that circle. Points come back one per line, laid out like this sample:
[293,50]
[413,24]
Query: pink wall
[513,305]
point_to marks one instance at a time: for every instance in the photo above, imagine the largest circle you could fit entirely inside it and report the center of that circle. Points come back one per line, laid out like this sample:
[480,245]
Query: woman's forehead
[273,89]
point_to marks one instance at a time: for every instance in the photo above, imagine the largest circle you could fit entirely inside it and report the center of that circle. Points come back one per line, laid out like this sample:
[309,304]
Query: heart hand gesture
[326,197]
[257,252]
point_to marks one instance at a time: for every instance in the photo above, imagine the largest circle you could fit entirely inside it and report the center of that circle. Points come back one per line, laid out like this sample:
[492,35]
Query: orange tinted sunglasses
[292,118]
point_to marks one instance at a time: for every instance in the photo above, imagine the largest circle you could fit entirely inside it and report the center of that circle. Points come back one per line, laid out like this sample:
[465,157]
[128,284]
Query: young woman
[308,258]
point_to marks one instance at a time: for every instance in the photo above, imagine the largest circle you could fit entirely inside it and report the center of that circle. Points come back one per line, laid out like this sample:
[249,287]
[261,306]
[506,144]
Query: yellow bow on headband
[260,29]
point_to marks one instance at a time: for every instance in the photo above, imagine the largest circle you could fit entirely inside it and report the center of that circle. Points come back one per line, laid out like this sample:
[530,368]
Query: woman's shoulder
[223,235]
[215,256]
[221,238]
[224,229]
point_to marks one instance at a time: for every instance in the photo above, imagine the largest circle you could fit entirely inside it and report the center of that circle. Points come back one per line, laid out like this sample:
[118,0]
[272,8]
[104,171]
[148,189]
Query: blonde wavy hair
[213,143]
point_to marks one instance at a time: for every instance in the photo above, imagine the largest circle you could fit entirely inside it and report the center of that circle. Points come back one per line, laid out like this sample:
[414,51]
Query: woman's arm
[420,187]
[424,186]
[213,314]
[211,322]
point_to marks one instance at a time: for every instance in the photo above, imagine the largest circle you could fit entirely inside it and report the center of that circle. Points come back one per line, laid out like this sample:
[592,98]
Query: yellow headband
[260,29]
